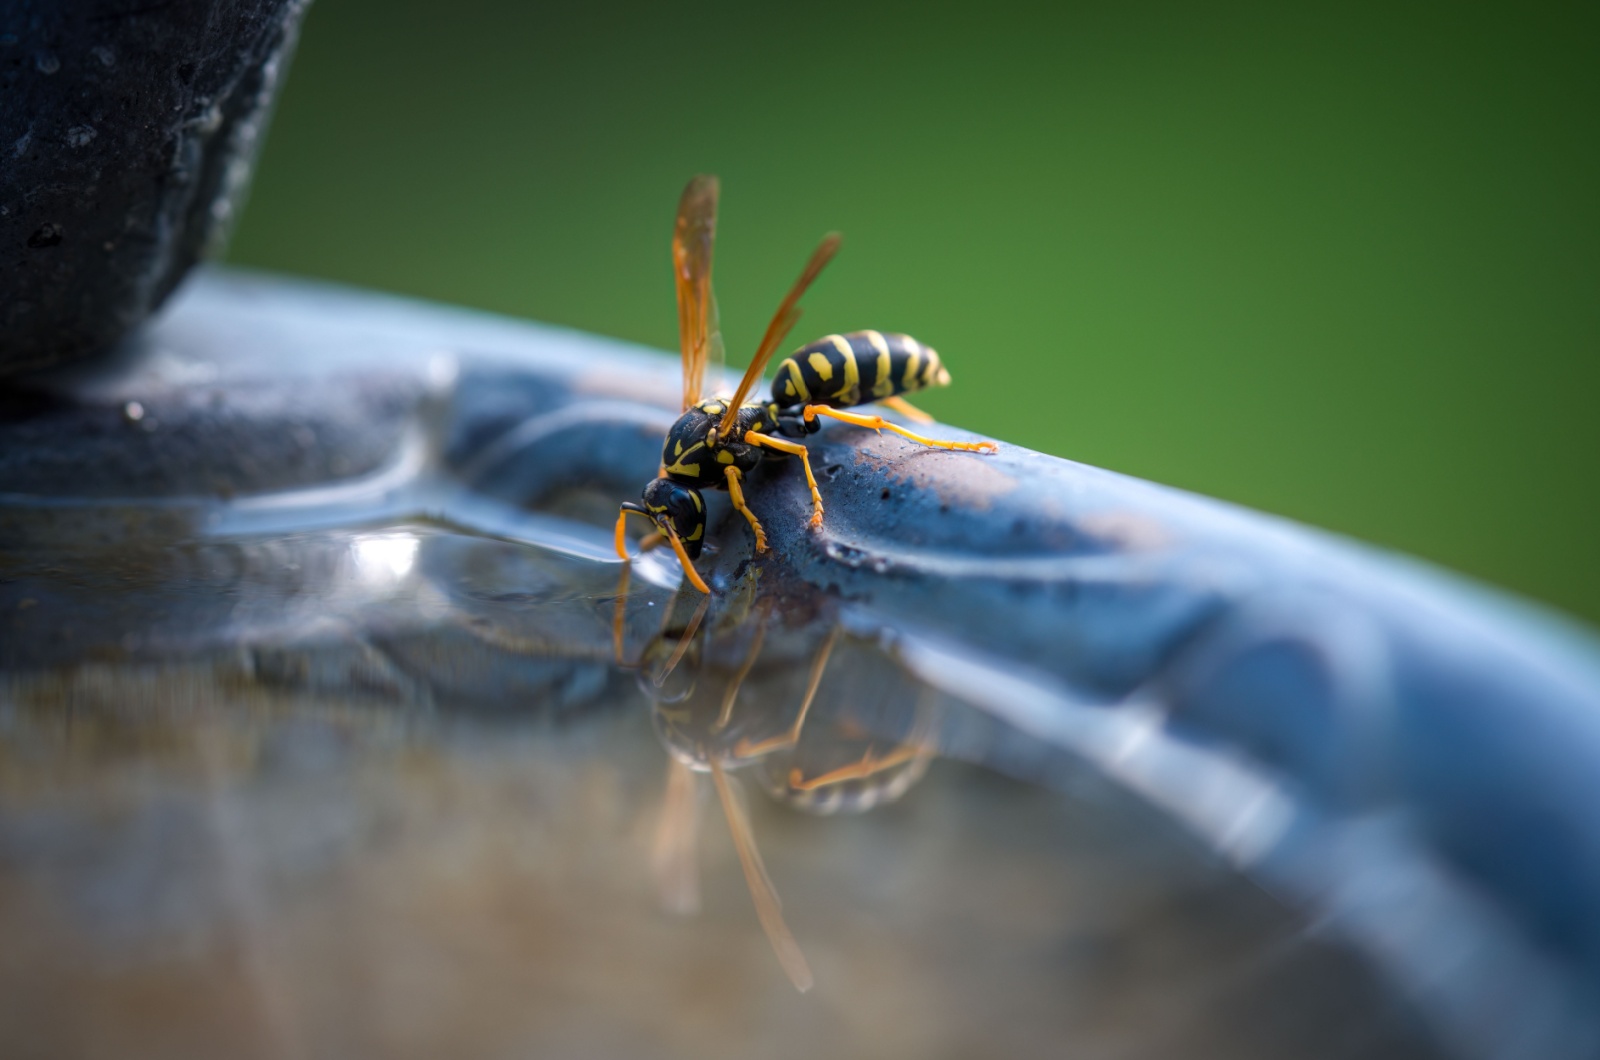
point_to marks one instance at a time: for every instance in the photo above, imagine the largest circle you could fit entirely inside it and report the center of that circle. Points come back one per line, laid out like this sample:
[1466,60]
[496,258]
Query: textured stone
[127,133]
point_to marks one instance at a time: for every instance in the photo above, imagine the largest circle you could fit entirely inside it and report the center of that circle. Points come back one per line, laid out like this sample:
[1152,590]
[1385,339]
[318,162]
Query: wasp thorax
[682,507]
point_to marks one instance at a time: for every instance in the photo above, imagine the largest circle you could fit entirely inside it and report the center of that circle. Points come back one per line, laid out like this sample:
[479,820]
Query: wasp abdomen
[853,369]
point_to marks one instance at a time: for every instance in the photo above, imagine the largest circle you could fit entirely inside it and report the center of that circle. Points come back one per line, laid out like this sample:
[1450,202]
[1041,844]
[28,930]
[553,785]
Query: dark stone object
[127,133]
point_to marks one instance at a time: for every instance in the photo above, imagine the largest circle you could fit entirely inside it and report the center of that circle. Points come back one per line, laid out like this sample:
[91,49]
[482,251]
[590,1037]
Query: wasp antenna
[619,614]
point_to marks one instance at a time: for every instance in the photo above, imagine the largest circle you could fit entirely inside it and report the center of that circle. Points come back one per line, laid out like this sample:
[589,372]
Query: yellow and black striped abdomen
[853,369]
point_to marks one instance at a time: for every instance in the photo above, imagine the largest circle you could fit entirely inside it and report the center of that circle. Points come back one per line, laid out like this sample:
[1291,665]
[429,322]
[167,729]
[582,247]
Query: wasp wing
[783,320]
[713,378]
[672,855]
[761,889]
[692,240]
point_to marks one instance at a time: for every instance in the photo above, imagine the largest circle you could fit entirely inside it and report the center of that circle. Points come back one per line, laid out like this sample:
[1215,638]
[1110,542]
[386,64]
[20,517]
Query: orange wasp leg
[866,766]
[737,493]
[746,749]
[750,656]
[906,409]
[917,748]
[793,449]
[878,423]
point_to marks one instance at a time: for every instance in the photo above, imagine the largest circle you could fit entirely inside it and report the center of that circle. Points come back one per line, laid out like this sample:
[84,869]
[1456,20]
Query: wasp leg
[866,766]
[918,747]
[878,423]
[793,449]
[743,509]
[906,409]
[746,749]
[744,668]
[750,656]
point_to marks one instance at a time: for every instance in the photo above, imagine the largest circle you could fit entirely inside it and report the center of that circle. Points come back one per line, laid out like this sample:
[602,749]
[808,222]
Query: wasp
[874,741]
[718,441]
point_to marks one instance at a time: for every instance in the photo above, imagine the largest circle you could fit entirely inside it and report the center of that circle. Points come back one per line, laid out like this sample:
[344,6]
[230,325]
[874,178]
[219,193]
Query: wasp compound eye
[683,507]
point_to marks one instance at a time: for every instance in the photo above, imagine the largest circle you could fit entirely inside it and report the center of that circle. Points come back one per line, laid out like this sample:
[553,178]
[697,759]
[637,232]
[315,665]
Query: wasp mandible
[717,441]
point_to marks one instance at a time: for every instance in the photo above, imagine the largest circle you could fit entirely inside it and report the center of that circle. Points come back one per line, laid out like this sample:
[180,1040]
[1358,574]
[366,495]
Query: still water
[416,788]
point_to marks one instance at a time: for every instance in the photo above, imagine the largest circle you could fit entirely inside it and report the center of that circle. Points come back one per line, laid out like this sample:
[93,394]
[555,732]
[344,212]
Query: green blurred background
[1334,262]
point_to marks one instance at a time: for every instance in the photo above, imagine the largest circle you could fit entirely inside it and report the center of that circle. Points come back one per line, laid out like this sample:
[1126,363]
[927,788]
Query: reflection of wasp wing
[672,859]
[692,239]
[854,759]
[768,909]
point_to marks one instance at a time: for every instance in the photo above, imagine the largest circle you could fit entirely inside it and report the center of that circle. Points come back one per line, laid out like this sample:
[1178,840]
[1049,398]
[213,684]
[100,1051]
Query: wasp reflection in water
[782,695]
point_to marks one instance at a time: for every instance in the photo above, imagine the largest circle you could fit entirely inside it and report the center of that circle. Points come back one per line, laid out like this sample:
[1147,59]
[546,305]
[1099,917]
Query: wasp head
[676,508]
